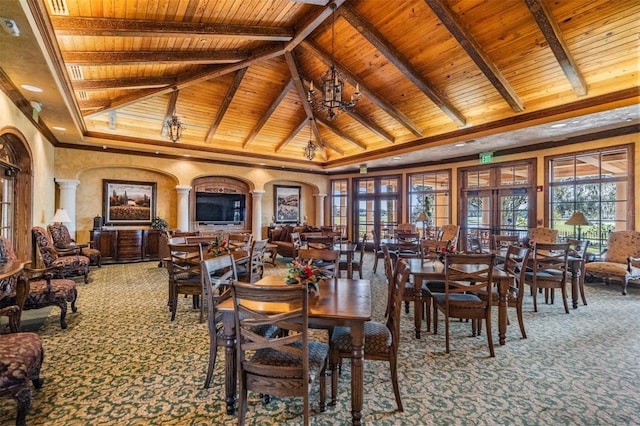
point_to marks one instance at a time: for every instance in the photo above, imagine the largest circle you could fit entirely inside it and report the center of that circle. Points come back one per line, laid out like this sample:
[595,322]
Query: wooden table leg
[417,302]
[575,276]
[357,372]
[350,265]
[230,363]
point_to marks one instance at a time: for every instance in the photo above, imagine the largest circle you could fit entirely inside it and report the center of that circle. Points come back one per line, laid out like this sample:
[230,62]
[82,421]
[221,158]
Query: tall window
[339,197]
[376,202]
[429,193]
[596,183]
[6,205]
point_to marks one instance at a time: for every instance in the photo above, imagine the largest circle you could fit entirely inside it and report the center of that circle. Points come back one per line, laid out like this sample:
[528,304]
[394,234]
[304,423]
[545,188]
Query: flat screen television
[220,208]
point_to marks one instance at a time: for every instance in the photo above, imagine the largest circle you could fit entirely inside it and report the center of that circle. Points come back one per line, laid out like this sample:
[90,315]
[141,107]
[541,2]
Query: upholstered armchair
[43,290]
[20,361]
[62,240]
[619,260]
[64,261]
[543,235]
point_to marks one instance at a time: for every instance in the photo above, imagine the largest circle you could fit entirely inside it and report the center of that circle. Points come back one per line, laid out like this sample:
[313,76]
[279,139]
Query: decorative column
[320,209]
[183,207]
[68,201]
[256,214]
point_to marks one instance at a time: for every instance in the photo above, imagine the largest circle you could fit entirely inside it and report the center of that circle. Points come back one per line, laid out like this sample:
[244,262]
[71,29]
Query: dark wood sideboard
[127,245]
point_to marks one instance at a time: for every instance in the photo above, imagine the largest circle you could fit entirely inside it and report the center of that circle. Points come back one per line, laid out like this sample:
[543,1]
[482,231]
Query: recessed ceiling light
[460,144]
[558,125]
[396,158]
[62,129]
[31,88]
[186,155]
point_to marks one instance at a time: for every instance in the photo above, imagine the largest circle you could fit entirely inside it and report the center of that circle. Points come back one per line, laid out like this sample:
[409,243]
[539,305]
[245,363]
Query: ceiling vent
[58,7]
[76,72]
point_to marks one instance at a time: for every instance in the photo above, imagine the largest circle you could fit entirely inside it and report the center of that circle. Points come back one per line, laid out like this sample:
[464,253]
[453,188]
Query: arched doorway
[16,181]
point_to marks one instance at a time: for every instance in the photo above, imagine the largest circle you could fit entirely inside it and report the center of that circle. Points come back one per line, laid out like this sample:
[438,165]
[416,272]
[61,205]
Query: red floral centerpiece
[219,246]
[442,251]
[305,273]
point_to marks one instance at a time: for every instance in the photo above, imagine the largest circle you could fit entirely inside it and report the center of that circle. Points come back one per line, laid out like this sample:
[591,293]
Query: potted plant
[159,223]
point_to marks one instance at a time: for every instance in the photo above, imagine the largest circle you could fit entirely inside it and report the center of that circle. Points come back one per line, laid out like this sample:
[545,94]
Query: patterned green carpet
[123,362]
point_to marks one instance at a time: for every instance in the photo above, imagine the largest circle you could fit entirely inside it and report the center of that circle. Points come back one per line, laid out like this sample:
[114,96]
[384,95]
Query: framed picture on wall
[287,203]
[128,202]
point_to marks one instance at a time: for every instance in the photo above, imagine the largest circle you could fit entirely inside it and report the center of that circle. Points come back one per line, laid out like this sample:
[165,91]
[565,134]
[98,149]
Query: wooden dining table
[434,270]
[340,302]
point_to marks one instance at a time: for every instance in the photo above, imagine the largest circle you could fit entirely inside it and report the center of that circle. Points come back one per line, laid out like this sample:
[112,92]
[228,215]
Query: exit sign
[486,157]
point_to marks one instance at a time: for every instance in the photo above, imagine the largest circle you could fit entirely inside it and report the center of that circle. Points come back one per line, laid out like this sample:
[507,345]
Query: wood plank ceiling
[237,73]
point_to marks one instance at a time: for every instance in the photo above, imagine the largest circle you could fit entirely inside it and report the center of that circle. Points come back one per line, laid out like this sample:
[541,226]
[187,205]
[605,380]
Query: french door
[497,200]
[377,206]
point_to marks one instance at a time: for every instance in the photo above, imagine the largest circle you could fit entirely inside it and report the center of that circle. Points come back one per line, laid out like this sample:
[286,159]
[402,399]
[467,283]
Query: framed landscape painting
[128,202]
[287,204]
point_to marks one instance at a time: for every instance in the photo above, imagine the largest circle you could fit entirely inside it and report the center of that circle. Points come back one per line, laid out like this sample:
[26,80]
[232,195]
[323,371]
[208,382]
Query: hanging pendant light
[333,85]
[311,148]
[174,126]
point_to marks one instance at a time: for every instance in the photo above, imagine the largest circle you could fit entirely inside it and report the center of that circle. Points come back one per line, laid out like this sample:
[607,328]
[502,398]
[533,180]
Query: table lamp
[61,216]
[422,217]
[577,219]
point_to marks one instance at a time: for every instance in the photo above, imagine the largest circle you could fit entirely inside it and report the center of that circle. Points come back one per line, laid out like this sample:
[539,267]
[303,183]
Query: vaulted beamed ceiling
[430,73]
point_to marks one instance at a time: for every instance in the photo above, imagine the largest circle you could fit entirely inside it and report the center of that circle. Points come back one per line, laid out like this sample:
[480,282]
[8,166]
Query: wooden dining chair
[377,250]
[284,364]
[356,263]
[502,241]
[578,249]
[381,340]
[256,261]
[326,260]
[217,275]
[548,270]
[184,276]
[467,295]
[515,263]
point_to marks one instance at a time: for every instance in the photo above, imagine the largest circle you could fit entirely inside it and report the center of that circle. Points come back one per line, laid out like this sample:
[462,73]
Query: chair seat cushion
[317,355]
[71,262]
[377,338]
[439,298]
[608,268]
[19,354]
[60,288]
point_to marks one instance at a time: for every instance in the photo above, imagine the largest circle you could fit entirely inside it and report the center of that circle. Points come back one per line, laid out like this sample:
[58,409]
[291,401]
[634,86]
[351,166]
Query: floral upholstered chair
[620,259]
[62,239]
[543,235]
[44,290]
[20,361]
[65,262]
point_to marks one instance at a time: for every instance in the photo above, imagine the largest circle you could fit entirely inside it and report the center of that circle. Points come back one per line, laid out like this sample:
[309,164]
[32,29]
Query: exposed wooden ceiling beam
[371,126]
[371,95]
[93,104]
[476,53]
[292,135]
[341,133]
[124,83]
[261,54]
[105,27]
[402,63]
[224,105]
[268,113]
[553,35]
[166,57]
[200,75]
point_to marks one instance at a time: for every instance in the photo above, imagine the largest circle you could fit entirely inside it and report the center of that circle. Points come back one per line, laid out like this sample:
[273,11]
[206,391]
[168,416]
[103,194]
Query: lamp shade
[61,216]
[422,217]
[577,219]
